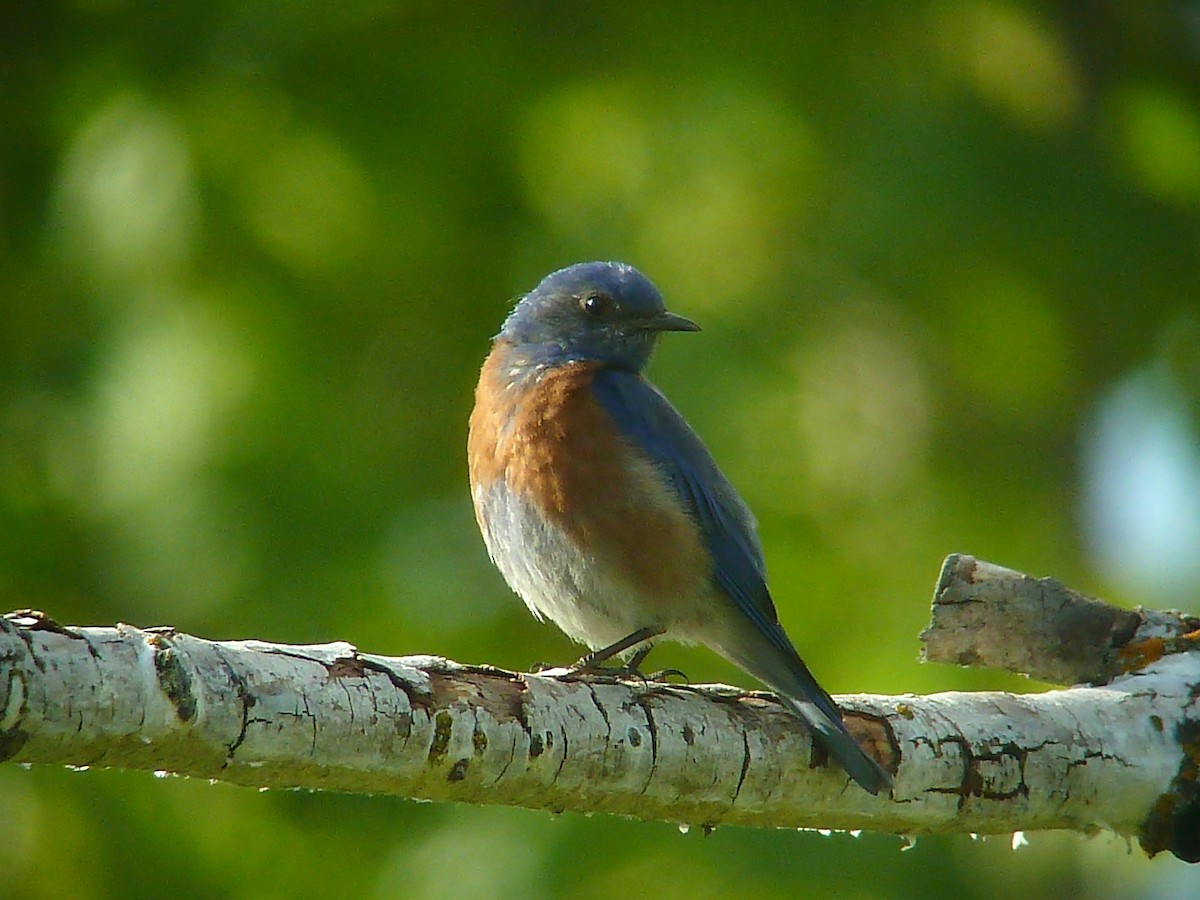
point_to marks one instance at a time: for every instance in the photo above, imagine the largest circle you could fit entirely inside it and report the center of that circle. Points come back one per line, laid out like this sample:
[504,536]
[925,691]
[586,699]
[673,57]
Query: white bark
[327,717]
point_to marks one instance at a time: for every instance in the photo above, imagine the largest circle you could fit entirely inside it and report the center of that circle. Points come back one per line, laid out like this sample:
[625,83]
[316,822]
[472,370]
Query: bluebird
[603,509]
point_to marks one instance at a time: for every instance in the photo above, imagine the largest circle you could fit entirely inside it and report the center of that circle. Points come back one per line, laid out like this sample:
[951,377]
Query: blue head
[602,311]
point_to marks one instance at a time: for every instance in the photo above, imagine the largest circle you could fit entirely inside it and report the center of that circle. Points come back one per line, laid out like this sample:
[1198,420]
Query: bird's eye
[596,305]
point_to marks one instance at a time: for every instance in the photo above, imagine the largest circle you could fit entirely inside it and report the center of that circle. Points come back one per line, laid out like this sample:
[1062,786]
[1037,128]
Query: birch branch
[1121,757]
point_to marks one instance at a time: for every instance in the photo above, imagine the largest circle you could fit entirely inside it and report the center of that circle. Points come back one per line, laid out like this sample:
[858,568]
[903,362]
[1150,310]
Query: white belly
[556,581]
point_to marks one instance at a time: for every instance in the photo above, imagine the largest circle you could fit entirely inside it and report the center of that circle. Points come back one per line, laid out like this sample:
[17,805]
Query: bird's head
[603,311]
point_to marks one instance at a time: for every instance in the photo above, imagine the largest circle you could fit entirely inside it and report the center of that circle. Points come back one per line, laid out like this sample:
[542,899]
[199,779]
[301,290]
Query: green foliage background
[250,259]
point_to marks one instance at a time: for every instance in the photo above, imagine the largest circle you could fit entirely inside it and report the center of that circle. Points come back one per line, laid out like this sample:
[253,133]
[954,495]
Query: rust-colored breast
[554,446]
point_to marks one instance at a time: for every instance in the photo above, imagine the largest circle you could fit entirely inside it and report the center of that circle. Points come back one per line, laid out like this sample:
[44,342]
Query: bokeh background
[251,255]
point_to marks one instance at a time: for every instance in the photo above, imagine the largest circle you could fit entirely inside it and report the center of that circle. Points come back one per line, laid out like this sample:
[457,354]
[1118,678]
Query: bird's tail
[787,675]
[842,746]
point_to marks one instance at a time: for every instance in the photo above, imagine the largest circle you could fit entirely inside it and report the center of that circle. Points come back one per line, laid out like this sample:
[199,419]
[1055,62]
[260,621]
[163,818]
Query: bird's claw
[582,671]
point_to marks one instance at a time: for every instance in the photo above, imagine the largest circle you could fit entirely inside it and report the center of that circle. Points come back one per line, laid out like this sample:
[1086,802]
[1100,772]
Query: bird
[603,509]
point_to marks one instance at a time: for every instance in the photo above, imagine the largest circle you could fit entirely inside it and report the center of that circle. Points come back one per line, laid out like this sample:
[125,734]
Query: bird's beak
[669,321]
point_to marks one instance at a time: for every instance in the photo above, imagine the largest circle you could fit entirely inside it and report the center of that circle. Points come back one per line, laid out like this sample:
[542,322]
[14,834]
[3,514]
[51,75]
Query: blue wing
[650,423]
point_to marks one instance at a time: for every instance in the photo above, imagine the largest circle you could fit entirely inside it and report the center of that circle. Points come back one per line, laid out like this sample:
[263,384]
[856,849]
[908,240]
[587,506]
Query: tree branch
[1121,757]
[986,615]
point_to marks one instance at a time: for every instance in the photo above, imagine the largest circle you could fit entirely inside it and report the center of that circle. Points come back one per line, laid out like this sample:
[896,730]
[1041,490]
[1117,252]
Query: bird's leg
[593,660]
[634,665]
[593,663]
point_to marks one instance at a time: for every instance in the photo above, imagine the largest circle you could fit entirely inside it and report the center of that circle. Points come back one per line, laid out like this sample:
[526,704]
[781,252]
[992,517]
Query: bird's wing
[648,420]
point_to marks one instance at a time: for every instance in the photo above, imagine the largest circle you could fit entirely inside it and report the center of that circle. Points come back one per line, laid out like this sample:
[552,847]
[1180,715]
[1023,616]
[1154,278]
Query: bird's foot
[628,671]
[592,665]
